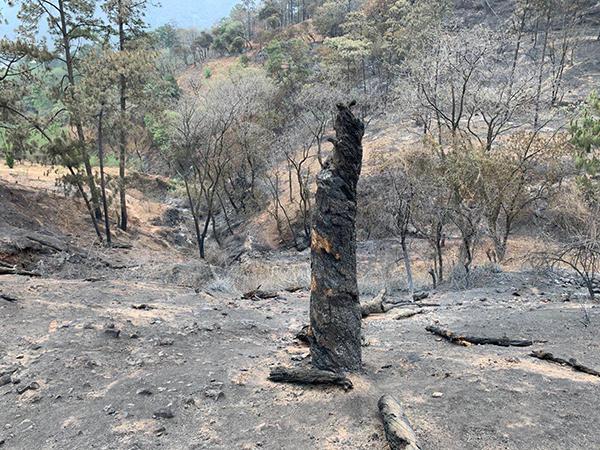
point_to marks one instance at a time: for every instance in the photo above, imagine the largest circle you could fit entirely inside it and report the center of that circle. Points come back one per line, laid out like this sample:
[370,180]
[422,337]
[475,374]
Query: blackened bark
[122,134]
[335,313]
[103,179]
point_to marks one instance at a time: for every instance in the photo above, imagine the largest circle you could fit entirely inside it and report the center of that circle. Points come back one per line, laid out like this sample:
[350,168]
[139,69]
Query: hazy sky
[184,13]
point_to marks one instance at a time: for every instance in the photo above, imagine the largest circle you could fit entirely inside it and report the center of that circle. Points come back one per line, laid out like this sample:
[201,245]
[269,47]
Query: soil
[206,359]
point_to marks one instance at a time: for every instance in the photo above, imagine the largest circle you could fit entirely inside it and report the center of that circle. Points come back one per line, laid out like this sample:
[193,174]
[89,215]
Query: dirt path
[205,360]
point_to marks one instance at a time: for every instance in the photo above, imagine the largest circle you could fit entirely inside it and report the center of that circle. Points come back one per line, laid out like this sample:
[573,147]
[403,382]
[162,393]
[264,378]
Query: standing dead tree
[335,313]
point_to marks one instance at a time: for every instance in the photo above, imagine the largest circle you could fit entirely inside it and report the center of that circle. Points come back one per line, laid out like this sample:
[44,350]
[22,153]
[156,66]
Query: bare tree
[578,246]
[212,148]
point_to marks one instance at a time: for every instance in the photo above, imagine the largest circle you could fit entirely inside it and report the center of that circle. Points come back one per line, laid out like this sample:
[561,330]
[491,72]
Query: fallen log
[14,271]
[398,430]
[293,289]
[8,298]
[571,362]
[49,242]
[122,246]
[419,296]
[374,306]
[381,305]
[309,375]
[257,294]
[476,340]
[58,246]
[408,314]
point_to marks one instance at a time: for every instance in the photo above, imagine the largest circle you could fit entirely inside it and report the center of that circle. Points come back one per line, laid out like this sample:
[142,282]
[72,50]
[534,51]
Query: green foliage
[166,36]
[204,41]
[347,49]
[585,132]
[207,72]
[330,17]
[9,158]
[158,126]
[288,61]
[244,61]
[110,160]
[229,37]
[270,13]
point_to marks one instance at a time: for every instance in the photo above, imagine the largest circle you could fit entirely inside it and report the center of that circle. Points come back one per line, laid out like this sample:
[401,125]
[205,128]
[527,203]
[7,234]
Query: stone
[144,391]
[163,413]
[111,331]
[215,394]
[4,380]
[29,387]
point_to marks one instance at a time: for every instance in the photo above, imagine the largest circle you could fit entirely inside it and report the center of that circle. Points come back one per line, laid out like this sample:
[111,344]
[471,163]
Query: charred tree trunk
[122,134]
[335,313]
[103,178]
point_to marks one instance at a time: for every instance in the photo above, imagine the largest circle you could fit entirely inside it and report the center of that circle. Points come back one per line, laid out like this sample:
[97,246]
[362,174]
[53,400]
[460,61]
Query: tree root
[301,375]
[571,362]
[398,430]
[466,340]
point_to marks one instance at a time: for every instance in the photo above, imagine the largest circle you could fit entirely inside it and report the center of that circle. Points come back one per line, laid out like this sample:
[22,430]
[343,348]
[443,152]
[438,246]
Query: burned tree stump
[335,312]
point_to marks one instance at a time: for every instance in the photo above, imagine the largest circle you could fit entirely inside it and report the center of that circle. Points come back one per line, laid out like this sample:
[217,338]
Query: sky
[183,13]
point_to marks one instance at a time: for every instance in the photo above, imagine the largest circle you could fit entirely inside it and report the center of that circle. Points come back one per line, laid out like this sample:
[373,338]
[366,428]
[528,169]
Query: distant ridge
[183,13]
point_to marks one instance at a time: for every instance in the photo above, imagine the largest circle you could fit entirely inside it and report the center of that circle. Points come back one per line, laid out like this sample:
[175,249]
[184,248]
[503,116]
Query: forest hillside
[339,224]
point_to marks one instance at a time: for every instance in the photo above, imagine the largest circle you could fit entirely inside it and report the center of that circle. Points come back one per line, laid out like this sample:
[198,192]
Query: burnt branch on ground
[309,375]
[571,362]
[460,339]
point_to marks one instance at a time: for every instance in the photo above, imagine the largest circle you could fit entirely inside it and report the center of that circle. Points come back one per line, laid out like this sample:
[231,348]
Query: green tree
[72,24]
[126,21]
[585,131]
[229,37]
[288,62]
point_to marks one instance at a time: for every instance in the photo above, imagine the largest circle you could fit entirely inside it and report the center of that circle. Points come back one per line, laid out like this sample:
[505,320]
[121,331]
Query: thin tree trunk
[103,179]
[122,134]
[541,74]
[194,214]
[204,234]
[78,126]
[407,265]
